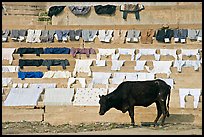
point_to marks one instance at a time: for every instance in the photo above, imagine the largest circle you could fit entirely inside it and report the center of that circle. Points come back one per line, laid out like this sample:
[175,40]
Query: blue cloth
[57,51]
[24,75]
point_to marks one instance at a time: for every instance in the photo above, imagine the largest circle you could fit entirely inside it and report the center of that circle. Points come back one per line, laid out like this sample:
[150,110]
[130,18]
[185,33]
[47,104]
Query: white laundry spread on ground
[147,52]
[88,96]
[105,35]
[71,80]
[161,67]
[83,66]
[20,85]
[23,97]
[100,78]
[100,63]
[43,85]
[171,52]
[117,64]
[186,63]
[10,68]
[196,92]
[57,74]
[104,52]
[6,81]
[125,51]
[189,53]
[58,96]
[7,54]
[140,65]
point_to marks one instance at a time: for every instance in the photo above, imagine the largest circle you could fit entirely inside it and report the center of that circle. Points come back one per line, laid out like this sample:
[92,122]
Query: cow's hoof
[156,124]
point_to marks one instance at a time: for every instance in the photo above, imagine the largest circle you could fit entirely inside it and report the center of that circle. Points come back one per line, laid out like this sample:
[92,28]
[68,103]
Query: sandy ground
[42,128]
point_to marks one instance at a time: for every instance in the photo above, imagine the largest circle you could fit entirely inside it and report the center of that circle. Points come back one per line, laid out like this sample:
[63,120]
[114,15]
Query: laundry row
[83,96]
[146,36]
[7,53]
[99,10]
[85,65]
[97,78]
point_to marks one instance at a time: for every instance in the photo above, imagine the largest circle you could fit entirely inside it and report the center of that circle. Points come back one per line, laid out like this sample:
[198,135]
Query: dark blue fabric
[24,75]
[57,51]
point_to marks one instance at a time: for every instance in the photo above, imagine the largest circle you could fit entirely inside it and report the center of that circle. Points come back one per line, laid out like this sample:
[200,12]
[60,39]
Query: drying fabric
[58,96]
[105,35]
[131,8]
[125,51]
[147,52]
[56,50]
[89,35]
[133,35]
[86,51]
[117,64]
[56,62]
[143,76]
[164,35]
[6,81]
[193,34]
[23,97]
[186,91]
[24,75]
[115,56]
[57,74]
[7,54]
[199,35]
[55,10]
[30,35]
[5,34]
[51,34]
[71,80]
[44,36]
[18,35]
[104,52]
[106,9]
[119,36]
[10,68]
[100,63]
[169,81]
[75,35]
[20,85]
[36,51]
[180,35]
[43,85]
[118,77]
[88,96]
[140,65]
[100,78]
[161,67]
[36,36]
[171,52]
[186,63]
[23,62]
[131,77]
[147,36]
[82,66]
[80,10]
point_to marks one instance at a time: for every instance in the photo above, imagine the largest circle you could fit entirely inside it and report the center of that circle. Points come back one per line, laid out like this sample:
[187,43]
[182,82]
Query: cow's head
[104,104]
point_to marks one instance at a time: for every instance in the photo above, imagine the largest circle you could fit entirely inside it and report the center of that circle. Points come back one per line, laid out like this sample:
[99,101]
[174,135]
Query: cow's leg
[159,112]
[131,114]
[164,111]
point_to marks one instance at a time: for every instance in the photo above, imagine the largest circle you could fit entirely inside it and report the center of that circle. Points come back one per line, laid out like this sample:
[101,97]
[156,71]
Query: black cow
[138,93]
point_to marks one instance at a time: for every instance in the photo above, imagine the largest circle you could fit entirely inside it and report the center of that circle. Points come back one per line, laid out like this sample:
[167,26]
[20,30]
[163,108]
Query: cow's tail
[169,89]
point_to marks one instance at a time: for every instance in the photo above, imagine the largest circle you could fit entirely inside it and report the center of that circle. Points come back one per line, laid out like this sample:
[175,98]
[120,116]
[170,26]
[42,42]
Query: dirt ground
[39,128]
